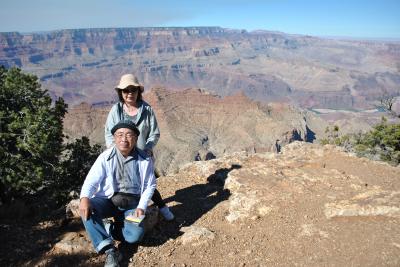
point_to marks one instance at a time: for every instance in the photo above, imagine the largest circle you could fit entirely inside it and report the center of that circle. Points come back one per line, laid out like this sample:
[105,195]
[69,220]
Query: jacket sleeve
[154,133]
[112,119]
[148,183]
[95,176]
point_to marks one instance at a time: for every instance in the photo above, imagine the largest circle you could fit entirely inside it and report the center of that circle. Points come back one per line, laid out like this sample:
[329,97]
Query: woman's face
[130,94]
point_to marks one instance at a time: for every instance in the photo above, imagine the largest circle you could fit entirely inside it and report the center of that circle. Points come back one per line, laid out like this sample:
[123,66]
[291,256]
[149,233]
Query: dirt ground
[308,206]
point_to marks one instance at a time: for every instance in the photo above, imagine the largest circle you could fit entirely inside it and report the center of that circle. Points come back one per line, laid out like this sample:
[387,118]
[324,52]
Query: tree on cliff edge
[31,134]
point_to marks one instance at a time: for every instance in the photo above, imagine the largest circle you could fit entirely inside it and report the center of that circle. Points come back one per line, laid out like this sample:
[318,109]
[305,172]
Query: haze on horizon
[352,18]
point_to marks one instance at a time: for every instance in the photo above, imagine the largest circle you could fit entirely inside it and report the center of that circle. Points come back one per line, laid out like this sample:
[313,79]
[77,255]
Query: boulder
[196,235]
[73,242]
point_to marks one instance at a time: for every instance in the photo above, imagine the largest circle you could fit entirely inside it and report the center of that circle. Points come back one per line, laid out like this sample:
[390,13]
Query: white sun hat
[129,80]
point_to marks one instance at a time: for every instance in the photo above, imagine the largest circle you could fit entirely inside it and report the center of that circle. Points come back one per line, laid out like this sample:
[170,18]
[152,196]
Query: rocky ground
[310,205]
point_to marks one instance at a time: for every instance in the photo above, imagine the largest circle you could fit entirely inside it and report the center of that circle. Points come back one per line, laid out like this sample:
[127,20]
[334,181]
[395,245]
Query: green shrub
[35,164]
[30,137]
[382,142]
[324,141]
[78,158]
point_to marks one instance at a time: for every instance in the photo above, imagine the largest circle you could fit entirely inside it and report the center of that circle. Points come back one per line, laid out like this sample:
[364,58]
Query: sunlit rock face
[307,200]
[84,65]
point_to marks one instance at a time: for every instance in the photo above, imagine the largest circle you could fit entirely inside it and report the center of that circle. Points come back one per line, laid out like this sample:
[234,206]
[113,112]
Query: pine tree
[31,135]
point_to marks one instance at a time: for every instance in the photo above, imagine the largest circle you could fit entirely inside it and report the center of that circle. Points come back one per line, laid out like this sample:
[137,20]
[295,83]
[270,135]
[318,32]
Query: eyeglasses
[122,135]
[131,90]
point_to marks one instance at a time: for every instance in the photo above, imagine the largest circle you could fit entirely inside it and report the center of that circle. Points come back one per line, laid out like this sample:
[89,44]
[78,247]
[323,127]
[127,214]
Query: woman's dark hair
[121,99]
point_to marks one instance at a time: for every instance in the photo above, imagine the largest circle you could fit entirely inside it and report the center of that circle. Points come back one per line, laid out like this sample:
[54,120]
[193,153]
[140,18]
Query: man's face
[125,140]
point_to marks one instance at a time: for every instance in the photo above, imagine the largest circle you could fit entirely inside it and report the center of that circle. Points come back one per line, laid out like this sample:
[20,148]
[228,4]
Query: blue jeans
[121,230]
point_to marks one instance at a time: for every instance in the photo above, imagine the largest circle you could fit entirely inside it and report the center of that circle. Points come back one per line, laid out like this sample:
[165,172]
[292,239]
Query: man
[120,184]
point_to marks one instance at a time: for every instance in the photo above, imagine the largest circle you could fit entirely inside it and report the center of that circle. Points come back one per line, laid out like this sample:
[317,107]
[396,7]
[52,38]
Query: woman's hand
[139,212]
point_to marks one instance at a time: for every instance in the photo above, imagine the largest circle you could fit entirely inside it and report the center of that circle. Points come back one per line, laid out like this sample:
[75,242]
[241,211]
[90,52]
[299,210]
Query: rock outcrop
[309,205]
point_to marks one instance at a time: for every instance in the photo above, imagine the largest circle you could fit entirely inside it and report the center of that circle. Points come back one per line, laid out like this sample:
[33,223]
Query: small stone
[256,217]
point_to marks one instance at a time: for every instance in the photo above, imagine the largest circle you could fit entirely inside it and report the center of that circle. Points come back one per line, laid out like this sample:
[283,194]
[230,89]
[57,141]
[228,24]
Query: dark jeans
[157,199]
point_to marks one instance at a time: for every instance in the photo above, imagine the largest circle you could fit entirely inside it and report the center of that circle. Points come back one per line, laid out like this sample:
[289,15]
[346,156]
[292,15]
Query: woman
[132,107]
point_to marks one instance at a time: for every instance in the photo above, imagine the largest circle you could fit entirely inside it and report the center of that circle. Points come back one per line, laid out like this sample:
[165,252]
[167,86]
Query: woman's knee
[133,234]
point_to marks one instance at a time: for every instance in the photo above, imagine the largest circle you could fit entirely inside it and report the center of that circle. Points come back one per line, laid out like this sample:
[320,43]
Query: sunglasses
[130,90]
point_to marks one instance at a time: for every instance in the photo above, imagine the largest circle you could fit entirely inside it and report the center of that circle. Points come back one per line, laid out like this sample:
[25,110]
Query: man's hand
[84,208]
[139,212]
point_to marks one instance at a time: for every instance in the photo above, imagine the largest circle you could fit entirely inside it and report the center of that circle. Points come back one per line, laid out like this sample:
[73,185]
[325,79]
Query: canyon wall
[85,65]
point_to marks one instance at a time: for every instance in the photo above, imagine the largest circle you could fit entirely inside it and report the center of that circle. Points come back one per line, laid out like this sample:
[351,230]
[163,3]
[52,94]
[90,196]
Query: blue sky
[351,18]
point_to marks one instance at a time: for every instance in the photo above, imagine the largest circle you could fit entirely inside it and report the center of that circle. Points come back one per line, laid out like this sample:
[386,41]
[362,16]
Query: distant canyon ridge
[84,65]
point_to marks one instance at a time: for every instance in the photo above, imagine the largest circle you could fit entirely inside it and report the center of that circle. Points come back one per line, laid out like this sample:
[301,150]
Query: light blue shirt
[145,121]
[101,180]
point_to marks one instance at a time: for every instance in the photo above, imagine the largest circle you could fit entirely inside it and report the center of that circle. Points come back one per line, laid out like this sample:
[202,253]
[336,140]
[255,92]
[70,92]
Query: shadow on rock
[195,201]
[32,240]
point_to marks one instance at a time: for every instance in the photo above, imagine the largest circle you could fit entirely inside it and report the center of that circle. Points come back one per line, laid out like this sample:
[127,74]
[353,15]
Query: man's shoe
[113,257]
[167,214]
